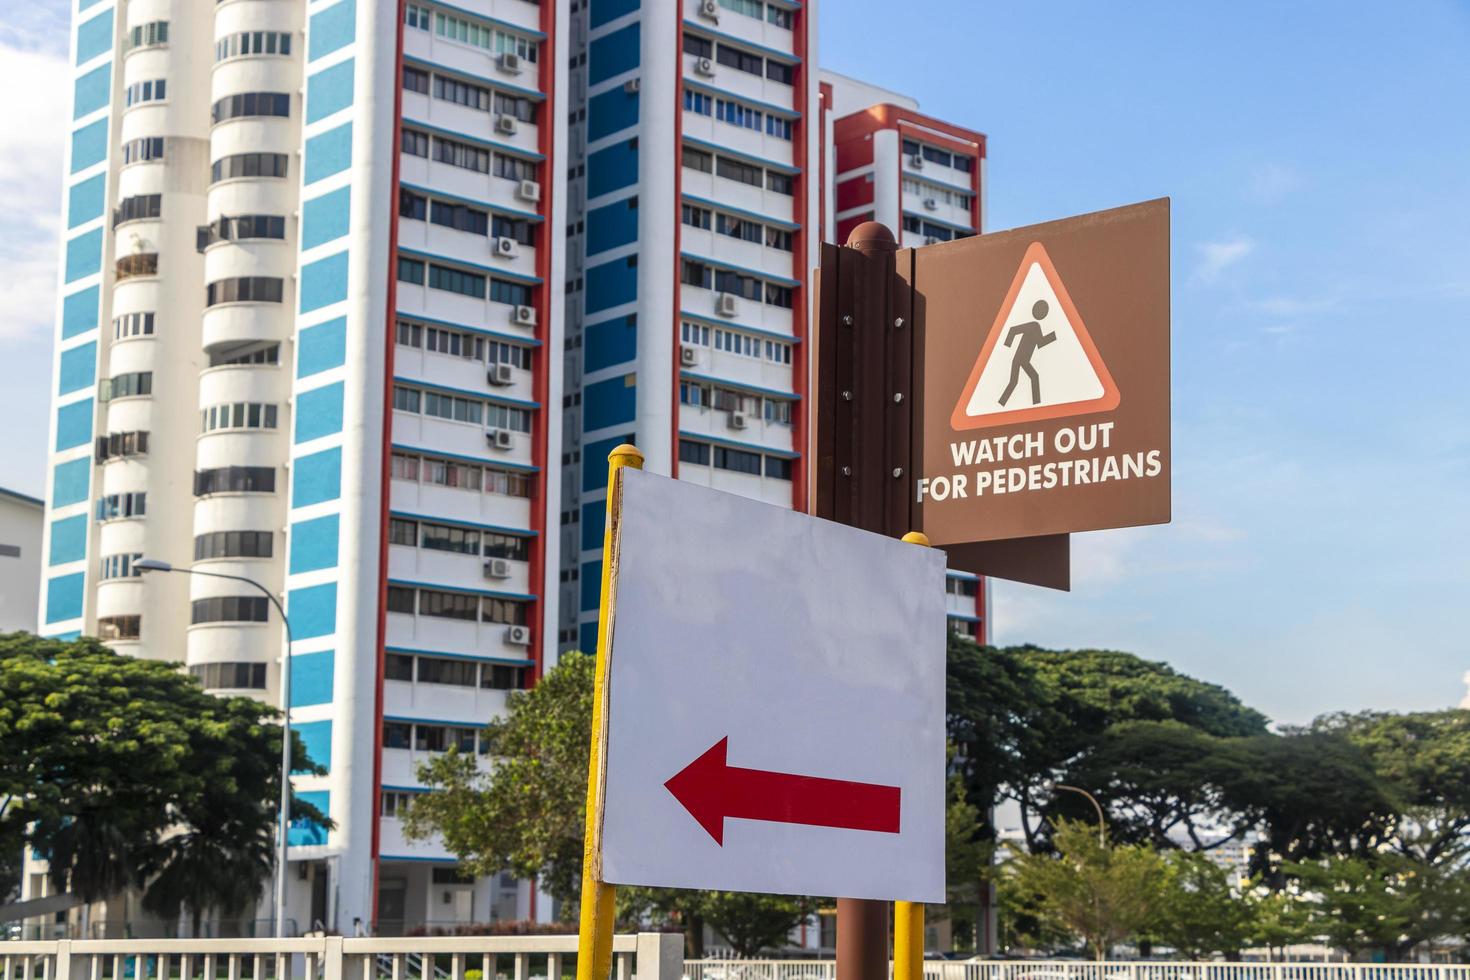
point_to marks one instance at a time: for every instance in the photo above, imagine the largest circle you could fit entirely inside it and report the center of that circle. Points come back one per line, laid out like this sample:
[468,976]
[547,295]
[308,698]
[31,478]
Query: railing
[645,956]
[1084,970]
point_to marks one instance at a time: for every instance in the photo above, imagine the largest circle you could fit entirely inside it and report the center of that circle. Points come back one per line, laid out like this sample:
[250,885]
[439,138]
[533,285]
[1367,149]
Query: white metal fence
[646,956]
[1082,970]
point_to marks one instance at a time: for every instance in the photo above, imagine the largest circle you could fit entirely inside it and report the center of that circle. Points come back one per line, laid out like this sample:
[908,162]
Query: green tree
[1277,918]
[1384,902]
[1199,912]
[1088,888]
[527,813]
[124,772]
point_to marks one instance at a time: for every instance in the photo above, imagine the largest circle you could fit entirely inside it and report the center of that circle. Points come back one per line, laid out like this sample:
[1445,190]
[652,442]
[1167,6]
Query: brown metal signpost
[997,393]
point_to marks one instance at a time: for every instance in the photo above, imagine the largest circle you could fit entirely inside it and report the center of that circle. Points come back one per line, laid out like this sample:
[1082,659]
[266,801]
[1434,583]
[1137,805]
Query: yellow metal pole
[595,931]
[908,917]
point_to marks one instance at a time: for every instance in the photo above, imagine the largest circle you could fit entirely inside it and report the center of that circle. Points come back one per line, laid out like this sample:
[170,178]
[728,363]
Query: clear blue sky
[1318,157]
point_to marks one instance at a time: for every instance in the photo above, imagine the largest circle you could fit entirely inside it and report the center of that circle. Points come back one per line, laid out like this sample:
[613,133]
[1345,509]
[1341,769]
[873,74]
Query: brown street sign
[1043,378]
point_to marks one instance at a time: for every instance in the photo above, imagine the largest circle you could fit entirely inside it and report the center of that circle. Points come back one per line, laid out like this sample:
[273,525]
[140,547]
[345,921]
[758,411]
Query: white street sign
[775,702]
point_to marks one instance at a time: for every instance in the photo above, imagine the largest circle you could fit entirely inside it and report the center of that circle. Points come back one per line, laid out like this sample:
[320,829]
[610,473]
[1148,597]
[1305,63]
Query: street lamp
[154,565]
[1101,818]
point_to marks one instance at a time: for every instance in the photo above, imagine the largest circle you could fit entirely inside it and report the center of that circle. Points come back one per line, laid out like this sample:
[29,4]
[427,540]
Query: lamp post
[154,565]
[1102,821]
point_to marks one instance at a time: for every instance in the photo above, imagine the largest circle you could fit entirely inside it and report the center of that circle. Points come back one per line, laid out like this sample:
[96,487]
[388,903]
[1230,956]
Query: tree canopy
[124,772]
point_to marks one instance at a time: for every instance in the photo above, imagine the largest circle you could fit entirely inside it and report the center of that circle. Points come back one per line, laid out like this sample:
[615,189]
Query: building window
[737,460]
[442,670]
[414,143]
[415,80]
[137,264]
[242,227]
[118,566]
[230,676]
[235,479]
[694,452]
[397,735]
[698,159]
[402,532]
[116,506]
[400,600]
[500,677]
[461,155]
[448,605]
[697,102]
[696,217]
[410,270]
[779,16]
[238,415]
[270,354]
[750,8]
[248,165]
[965,587]
[244,289]
[738,114]
[780,71]
[397,667]
[700,47]
[230,609]
[246,104]
[780,183]
[132,325]
[395,803]
[442,537]
[417,17]
[141,150]
[252,43]
[738,59]
[116,445]
[514,168]
[483,36]
[152,90]
[135,384]
[507,546]
[148,35]
[460,217]
[137,208]
[232,544]
[119,627]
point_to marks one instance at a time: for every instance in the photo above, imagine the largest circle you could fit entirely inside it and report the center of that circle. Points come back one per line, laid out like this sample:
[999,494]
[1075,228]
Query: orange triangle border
[960,421]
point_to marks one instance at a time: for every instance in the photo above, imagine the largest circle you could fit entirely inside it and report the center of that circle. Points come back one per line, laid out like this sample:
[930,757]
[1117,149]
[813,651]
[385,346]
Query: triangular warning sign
[1038,361]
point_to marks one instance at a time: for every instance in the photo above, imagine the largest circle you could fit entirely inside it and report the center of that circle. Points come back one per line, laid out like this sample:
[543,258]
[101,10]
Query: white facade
[300,345]
[20,560]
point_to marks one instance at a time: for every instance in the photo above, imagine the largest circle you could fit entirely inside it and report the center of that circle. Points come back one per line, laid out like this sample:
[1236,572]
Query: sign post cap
[872,236]
[626,454]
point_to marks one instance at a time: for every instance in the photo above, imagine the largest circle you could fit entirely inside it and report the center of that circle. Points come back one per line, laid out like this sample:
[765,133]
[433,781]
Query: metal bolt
[898,471]
[847,471]
[898,321]
[847,396]
[847,319]
[897,397]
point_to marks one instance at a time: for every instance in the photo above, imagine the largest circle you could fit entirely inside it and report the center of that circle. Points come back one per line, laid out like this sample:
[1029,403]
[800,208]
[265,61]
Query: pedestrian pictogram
[1038,360]
[714,791]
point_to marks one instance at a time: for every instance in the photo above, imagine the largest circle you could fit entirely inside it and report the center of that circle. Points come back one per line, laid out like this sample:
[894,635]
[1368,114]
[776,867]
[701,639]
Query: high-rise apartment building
[307,332]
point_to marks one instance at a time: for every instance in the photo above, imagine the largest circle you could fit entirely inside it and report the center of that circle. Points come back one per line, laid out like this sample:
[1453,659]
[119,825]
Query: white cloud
[1465,701]
[1272,183]
[31,153]
[1216,257]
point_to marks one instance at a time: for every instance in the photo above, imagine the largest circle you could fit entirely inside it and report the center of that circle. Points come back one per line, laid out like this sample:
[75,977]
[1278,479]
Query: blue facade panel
[314,544]
[612,167]
[602,11]
[322,347]
[612,225]
[84,200]
[591,581]
[316,736]
[329,91]
[89,145]
[328,153]
[84,255]
[307,833]
[610,402]
[614,53]
[610,342]
[311,678]
[587,635]
[313,611]
[611,111]
[91,91]
[323,282]
[594,524]
[594,460]
[325,218]
[319,412]
[611,284]
[74,424]
[78,368]
[332,29]
[64,597]
[79,312]
[316,478]
[68,540]
[70,482]
[94,37]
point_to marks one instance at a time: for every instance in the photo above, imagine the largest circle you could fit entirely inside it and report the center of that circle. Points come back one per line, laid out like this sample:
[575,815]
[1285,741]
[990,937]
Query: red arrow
[712,791]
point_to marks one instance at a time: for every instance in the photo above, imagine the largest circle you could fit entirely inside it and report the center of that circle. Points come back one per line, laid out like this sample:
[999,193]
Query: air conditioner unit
[500,375]
[726,304]
[510,62]
[499,438]
[497,568]
[506,247]
[916,161]
[688,356]
[529,190]
[739,420]
[632,85]
[930,204]
[518,636]
[710,9]
[506,125]
[524,316]
[705,67]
